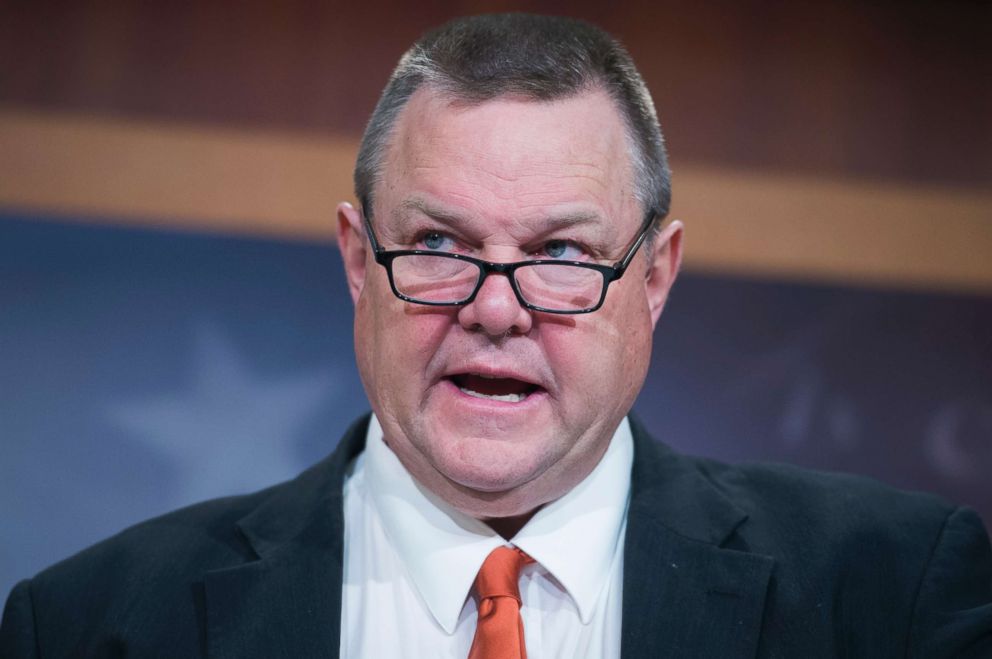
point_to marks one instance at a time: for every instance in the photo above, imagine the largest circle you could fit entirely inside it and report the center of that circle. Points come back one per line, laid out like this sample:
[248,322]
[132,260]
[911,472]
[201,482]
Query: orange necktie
[500,631]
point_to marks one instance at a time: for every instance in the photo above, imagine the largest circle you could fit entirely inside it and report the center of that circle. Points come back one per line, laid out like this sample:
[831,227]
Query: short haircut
[544,58]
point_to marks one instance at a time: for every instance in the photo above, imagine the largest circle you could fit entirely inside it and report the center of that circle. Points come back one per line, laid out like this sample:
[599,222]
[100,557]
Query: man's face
[495,408]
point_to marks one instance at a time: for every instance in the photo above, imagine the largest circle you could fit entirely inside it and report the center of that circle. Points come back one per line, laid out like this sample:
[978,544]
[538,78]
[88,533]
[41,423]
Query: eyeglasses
[442,279]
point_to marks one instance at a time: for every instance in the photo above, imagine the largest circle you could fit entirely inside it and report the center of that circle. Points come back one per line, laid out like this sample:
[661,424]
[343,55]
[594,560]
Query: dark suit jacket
[720,561]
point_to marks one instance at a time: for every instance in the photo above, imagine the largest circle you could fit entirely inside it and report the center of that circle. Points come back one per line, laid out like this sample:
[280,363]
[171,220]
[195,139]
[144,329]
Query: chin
[486,480]
[495,504]
[489,467]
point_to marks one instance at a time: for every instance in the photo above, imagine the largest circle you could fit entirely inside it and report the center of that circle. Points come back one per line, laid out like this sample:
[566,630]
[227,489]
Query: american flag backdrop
[174,323]
[141,370]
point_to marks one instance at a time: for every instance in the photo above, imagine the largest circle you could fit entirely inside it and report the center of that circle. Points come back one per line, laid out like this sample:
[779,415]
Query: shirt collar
[575,538]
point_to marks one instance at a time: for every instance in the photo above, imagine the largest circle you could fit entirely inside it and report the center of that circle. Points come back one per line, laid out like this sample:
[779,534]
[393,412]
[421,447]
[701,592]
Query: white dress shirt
[410,561]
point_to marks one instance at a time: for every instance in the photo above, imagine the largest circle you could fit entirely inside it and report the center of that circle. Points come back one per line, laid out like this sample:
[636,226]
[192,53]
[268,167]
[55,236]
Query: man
[508,264]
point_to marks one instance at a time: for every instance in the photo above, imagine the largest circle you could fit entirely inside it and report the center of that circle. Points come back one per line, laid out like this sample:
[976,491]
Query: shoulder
[780,502]
[147,578]
[143,579]
[794,498]
[814,516]
[176,542]
[146,587]
[918,567]
[861,567]
[868,565]
[208,535]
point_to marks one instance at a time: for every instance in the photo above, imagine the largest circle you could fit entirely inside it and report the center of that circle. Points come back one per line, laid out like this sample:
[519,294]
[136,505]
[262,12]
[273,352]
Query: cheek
[377,338]
[395,343]
[365,342]
[604,356]
[635,329]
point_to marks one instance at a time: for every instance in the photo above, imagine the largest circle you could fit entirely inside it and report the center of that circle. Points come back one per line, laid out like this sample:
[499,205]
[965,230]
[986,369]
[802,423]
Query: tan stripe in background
[285,185]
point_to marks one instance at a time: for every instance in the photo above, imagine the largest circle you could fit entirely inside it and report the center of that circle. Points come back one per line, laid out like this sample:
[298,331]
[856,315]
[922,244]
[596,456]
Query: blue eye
[562,249]
[435,240]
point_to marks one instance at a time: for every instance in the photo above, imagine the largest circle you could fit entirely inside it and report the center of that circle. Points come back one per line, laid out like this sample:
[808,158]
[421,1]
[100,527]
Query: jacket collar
[685,593]
[287,603]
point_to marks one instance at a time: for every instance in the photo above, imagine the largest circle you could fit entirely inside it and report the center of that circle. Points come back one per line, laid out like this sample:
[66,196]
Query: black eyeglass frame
[610,273]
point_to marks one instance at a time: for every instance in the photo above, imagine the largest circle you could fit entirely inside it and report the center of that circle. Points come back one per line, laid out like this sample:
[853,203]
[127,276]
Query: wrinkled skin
[499,180]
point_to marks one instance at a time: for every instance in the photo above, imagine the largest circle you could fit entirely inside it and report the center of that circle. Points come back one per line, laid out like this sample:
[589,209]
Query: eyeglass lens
[444,280]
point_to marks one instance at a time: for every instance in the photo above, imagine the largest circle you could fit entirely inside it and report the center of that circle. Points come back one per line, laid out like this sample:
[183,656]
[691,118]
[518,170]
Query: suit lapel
[287,602]
[684,594]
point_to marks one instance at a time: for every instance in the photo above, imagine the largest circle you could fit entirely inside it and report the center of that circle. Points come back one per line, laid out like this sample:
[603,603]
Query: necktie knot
[499,633]
[500,573]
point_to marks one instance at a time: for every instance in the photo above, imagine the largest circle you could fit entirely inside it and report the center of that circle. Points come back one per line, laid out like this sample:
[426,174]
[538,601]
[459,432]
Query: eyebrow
[415,204]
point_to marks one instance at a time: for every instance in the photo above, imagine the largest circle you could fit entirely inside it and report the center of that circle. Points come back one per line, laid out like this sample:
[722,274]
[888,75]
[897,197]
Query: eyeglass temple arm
[366,216]
[621,266]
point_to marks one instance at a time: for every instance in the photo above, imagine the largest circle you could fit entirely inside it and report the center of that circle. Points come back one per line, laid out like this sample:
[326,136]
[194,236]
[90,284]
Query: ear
[353,246]
[664,267]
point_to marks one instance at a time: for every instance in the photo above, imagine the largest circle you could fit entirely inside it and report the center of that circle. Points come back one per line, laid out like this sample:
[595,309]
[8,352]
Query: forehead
[512,157]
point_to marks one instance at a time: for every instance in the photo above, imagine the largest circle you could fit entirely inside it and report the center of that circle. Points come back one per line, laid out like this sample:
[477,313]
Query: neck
[508,527]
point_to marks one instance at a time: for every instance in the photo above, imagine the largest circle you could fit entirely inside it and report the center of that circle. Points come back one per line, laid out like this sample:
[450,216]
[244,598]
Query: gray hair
[479,58]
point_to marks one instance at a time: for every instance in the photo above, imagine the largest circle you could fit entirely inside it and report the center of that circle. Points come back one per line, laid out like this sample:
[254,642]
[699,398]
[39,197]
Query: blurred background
[173,319]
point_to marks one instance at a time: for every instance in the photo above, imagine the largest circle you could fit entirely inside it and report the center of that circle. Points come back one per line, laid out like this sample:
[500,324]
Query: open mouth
[507,390]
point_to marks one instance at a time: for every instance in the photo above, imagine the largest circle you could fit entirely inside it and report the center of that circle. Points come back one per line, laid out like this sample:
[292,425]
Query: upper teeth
[506,398]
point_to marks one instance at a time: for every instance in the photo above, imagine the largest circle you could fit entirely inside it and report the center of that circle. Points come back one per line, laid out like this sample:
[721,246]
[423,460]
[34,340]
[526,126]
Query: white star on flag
[232,430]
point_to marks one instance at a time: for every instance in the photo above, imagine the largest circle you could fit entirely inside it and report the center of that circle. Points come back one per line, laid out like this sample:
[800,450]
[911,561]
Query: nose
[495,309]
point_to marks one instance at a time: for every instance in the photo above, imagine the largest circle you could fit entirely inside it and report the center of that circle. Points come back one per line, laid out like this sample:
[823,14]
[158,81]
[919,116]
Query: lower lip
[490,404]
